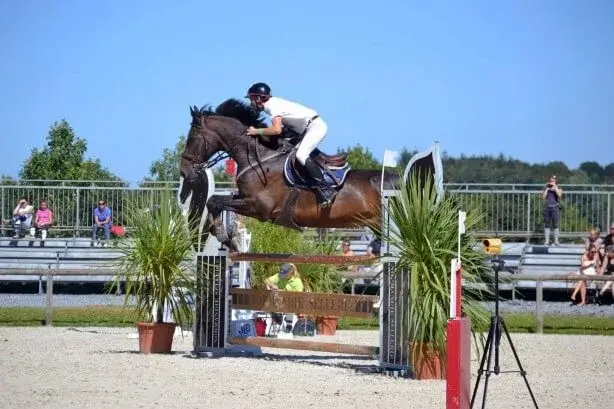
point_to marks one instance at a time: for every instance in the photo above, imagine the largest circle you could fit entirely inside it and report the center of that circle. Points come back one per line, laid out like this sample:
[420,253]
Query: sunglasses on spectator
[101,203]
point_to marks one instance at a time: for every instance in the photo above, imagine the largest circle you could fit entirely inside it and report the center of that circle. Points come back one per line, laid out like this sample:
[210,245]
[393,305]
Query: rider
[304,121]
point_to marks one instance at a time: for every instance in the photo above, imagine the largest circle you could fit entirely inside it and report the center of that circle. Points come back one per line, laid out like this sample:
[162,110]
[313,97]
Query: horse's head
[211,132]
[202,144]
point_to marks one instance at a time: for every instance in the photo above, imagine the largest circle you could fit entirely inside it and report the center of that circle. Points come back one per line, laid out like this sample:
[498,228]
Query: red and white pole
[458,339]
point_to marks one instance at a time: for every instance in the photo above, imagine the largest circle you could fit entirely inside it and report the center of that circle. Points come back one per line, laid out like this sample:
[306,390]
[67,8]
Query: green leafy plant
[426,236]
[271,238]
[156,260]
[320,278]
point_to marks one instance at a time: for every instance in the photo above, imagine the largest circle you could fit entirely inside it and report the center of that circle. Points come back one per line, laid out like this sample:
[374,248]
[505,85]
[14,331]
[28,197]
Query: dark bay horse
[264,192]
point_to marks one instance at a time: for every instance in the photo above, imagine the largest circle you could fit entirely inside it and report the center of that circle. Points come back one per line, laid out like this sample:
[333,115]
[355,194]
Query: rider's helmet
[258,95]
[259,89]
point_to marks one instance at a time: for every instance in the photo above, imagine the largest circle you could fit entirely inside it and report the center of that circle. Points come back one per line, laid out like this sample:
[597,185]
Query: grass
[108,316]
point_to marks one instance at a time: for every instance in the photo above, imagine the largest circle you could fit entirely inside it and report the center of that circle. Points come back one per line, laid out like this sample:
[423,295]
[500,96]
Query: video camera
[492,246]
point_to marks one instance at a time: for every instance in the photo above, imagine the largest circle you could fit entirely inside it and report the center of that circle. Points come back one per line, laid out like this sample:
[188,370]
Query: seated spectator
[22,217]
[593,239]
[608,239]
[43,220]
[288,279]
[589,266]
[347,251]
[102,220]
[607,269]
[374,248]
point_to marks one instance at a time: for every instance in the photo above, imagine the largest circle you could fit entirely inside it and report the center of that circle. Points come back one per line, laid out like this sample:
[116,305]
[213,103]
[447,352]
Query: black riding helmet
[259,88]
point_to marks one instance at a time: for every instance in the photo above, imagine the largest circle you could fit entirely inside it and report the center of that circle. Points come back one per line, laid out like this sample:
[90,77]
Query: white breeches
[315,133]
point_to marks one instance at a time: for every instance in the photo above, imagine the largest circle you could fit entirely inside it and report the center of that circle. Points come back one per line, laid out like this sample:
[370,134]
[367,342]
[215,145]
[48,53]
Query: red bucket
[260,325]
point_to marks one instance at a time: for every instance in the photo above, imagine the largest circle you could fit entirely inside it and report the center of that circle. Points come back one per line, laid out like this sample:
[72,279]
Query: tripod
[493,342]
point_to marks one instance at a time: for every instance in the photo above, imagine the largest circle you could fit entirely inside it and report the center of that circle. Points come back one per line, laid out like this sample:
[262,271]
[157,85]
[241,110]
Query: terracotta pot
[155,338]
[426,362]
[326,325]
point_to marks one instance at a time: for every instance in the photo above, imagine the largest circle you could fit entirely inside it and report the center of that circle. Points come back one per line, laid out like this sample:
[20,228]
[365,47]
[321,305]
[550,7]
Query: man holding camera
[551,194]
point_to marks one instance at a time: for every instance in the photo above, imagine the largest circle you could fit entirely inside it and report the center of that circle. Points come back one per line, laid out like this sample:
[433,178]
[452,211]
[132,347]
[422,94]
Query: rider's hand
[251,131]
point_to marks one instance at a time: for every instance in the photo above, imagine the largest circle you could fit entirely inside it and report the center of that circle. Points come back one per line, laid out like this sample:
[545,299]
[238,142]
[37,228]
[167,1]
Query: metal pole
[77,222]
[539,311]
[49,300]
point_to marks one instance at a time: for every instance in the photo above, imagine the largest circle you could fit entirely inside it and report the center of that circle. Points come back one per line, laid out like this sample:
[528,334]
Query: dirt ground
[100,368]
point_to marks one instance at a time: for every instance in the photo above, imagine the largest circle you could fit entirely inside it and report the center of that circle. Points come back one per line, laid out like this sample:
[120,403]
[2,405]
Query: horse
[270,187]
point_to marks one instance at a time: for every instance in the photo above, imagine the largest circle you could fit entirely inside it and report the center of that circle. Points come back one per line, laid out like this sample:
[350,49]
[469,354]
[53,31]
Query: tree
[167,167]
[63,158]
[593,170]
[361,157]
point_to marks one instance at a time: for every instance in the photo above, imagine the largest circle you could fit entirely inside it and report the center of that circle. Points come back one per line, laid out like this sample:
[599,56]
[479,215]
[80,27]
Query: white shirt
[292,115]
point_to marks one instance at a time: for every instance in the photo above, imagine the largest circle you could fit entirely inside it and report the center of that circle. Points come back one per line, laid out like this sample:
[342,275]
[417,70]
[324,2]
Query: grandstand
[512,213]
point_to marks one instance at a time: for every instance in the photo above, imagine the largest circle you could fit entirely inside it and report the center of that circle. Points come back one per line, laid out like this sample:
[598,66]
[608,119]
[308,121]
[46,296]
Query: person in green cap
[288,279]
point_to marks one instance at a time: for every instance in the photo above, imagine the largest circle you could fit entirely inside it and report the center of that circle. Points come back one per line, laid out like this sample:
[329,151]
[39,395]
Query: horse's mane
[233,108]
[244,113]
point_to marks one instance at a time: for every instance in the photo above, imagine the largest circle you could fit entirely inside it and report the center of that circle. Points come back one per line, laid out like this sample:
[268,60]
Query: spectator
[374,248]
[345,248]
[288,279]
[593,239]
[607,268]
[43,220]
[22,217]
[347,251]
[102,220]
[589,266]
[608,239]
[552,195]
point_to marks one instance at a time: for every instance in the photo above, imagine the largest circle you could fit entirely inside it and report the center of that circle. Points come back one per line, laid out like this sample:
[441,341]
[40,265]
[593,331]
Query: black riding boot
[326,192]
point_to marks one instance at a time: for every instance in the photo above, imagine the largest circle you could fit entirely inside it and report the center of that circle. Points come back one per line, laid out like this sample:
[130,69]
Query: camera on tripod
[493,247]
[496,330]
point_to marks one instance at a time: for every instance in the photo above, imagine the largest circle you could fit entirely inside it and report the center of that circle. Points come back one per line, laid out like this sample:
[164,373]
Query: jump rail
[303,259]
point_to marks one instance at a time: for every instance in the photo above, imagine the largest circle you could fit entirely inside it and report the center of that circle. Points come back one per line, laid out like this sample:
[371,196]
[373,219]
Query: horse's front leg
[216,205]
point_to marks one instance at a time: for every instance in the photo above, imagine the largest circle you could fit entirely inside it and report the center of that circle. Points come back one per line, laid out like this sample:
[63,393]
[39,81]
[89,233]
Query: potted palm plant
[157,268]
[426,237]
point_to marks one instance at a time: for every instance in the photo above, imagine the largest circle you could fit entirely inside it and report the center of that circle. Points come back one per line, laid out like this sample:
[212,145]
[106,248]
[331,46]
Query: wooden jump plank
[303,259]
[316,304]
[307,345]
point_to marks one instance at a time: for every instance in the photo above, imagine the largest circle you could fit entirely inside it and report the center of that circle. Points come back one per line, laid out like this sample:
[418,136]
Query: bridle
[198,166]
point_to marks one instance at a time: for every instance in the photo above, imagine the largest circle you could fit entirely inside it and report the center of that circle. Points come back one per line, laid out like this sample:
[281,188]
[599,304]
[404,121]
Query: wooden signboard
[316,304]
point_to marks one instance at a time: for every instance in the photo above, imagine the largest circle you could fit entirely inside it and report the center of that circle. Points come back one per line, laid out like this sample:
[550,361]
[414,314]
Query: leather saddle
[325,160]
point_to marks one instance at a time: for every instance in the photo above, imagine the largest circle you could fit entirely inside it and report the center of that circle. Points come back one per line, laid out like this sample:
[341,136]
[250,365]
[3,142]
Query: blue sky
[531,79]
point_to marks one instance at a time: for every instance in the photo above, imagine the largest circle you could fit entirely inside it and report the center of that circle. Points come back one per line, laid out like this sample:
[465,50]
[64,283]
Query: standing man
[552,195]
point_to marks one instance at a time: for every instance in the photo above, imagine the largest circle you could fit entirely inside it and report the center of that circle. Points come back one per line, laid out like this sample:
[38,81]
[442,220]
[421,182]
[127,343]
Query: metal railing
[508,210]
[539,295]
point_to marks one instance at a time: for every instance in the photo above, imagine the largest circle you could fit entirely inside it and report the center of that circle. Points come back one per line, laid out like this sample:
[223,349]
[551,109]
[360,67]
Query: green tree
[167,167]
[63,158]
[593,170]
[361,157]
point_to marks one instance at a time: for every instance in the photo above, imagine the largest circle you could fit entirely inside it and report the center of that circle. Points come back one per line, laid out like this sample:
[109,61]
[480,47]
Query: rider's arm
[274,129]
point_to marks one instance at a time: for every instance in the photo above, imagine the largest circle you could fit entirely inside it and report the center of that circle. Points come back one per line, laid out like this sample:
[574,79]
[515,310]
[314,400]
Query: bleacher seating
[76,254]
[71,255]
[550,260]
